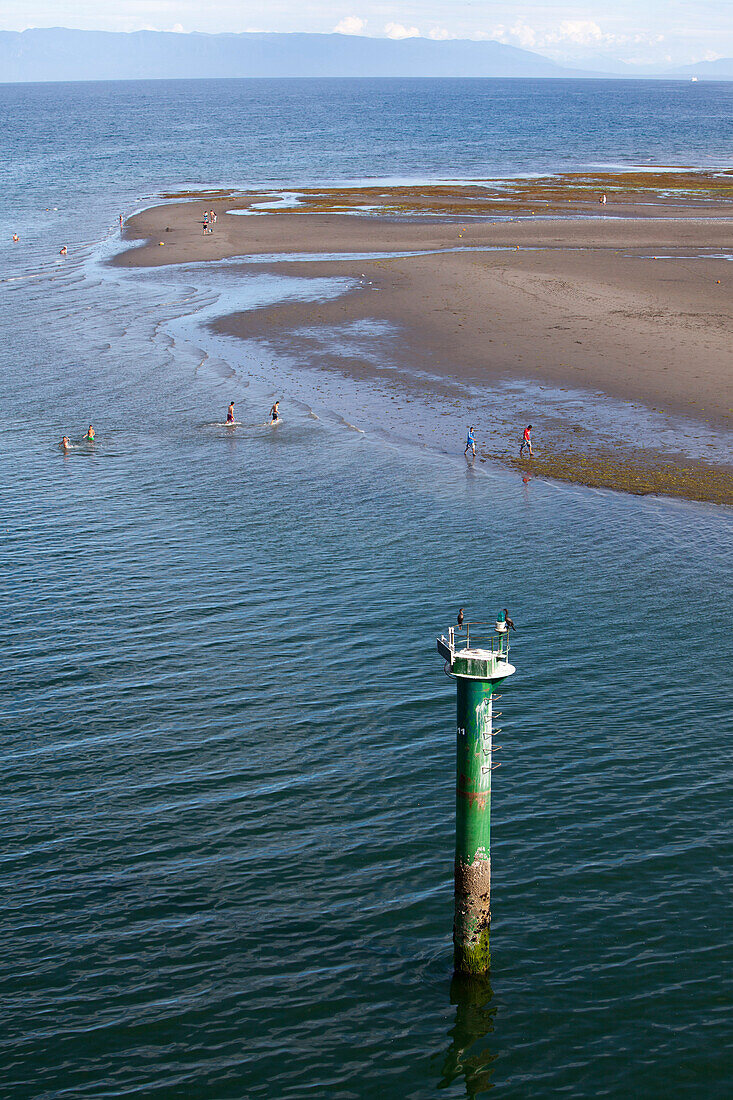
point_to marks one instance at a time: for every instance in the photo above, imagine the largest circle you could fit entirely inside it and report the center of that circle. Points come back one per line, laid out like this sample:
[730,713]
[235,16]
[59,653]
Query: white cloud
[352,24]
[397,30]
[569,35]
[519,35]
[442,34]
[177,28]
[524,35]
[583,32]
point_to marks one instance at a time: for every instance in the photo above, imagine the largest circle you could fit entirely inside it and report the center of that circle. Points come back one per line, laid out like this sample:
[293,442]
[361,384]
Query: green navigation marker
[477,656]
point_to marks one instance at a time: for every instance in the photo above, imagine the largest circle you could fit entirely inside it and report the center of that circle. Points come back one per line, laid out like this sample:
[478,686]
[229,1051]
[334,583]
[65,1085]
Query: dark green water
[227,746]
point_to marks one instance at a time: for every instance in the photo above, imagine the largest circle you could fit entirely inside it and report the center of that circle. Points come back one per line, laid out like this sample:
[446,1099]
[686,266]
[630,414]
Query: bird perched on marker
[509,624]
[459,620]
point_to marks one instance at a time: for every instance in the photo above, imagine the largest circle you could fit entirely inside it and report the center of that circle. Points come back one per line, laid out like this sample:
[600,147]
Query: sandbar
[631,305]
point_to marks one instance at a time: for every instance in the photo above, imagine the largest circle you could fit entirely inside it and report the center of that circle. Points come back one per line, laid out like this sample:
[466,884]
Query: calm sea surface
[226,740]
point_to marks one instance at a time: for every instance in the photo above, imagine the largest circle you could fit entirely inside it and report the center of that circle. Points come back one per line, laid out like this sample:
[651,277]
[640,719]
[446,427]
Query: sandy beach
[634,306]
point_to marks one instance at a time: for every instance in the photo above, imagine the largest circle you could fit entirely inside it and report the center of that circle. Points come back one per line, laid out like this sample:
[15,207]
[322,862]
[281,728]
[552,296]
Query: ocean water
[226,739]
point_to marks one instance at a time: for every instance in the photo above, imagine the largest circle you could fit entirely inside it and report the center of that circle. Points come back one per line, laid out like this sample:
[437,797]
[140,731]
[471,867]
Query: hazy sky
[641,32]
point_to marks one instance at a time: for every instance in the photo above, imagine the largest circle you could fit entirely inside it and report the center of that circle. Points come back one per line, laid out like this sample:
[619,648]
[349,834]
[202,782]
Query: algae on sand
[642,474]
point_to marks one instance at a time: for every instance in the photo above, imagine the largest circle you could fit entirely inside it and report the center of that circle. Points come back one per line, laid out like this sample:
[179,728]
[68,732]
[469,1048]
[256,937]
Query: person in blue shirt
[470,441]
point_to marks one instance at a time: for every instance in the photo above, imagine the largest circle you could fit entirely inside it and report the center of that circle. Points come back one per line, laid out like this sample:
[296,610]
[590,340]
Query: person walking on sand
[526,442]
[602,200]
[470,441]
[230,413]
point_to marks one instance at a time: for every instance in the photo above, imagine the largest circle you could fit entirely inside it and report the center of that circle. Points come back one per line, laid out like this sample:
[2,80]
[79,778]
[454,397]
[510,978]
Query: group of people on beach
[209,221]
[275,418]
[64,251]
[526,441]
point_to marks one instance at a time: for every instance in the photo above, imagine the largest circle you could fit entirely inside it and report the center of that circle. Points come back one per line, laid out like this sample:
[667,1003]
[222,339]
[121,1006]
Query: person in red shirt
[526,442]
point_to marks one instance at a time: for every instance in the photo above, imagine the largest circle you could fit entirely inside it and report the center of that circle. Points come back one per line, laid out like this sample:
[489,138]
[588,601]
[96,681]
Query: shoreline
[623,309]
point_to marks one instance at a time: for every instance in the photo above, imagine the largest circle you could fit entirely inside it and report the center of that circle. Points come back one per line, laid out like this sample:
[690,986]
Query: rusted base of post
[471,953]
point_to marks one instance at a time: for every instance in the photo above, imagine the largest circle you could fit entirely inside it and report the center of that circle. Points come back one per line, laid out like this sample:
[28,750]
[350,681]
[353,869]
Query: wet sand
[633,308]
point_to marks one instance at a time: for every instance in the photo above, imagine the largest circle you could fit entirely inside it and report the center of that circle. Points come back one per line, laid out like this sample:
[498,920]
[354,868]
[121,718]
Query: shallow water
[227,740]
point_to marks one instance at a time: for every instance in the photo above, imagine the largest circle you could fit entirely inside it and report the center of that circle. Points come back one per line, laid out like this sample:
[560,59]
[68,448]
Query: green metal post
[473,822]
[478,670]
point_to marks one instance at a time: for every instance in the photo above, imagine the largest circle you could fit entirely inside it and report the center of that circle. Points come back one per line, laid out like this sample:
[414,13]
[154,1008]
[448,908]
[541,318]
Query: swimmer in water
[89,437]
[65,443]
[64,251]
[275,413]
[230,413]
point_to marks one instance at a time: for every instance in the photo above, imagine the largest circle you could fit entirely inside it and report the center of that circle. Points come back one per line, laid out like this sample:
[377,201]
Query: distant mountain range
[722,69]
[61,54]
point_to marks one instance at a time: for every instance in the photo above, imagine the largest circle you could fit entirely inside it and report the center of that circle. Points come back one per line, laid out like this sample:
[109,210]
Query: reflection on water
[470,1056]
